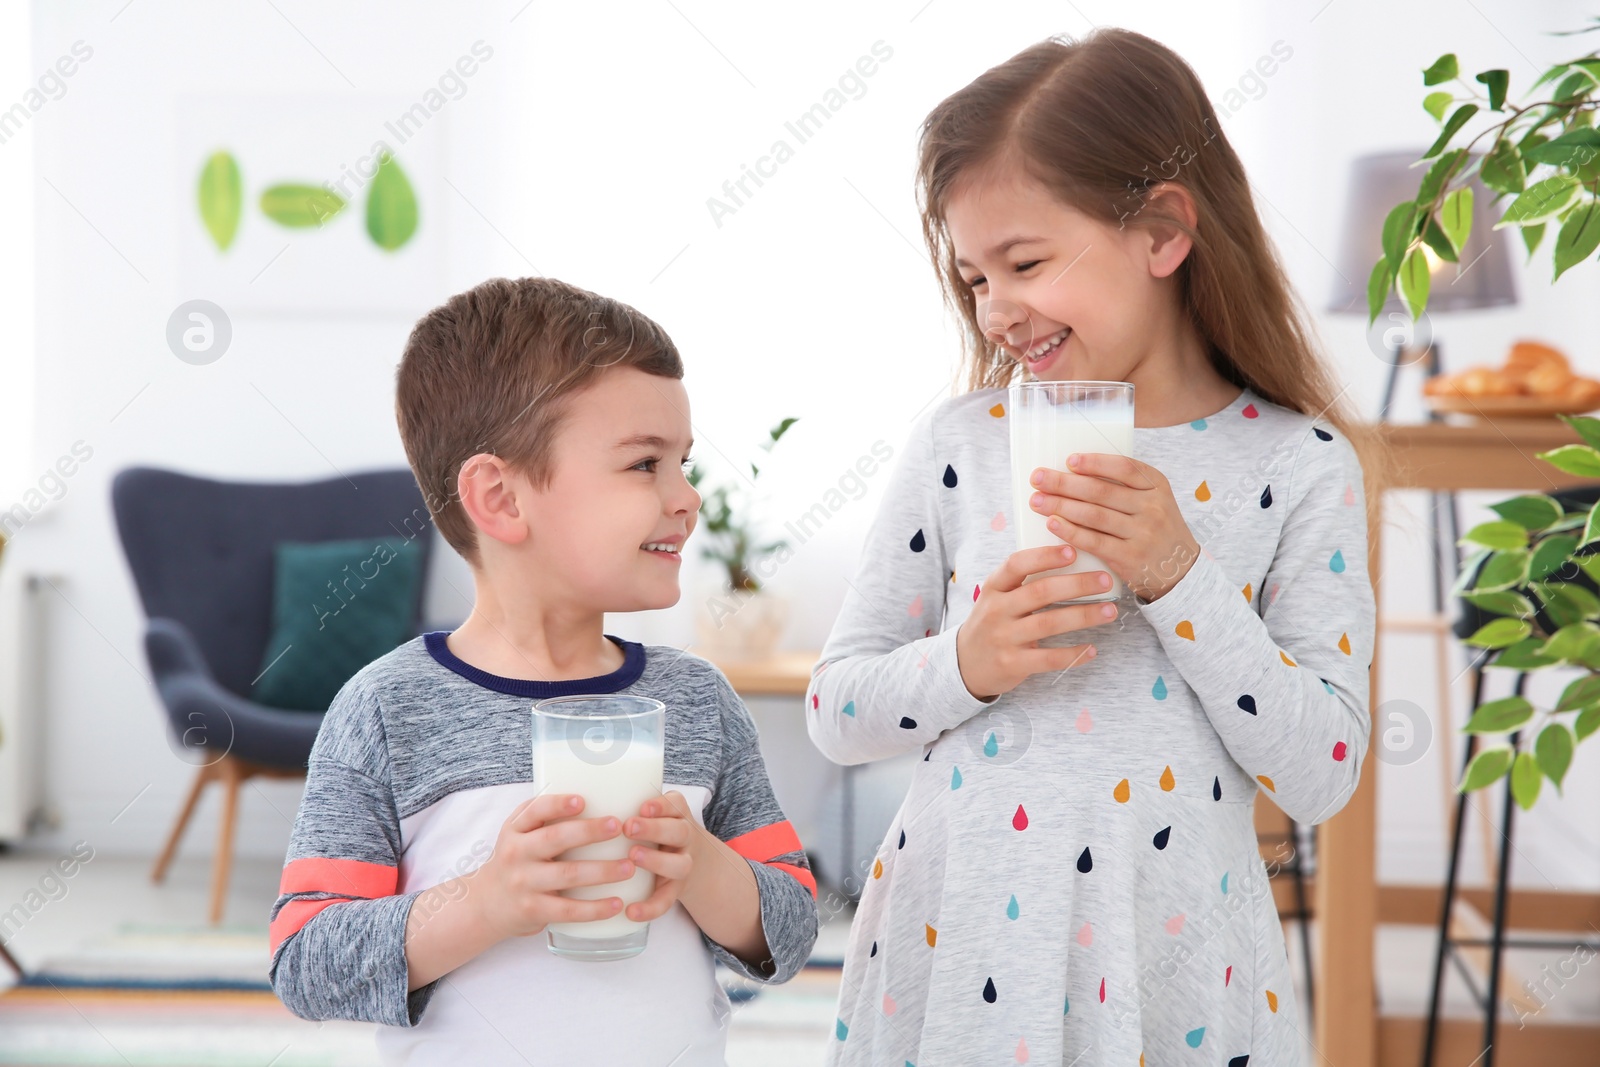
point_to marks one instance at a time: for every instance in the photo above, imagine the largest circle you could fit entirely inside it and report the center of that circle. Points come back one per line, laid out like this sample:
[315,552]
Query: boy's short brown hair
[488,369]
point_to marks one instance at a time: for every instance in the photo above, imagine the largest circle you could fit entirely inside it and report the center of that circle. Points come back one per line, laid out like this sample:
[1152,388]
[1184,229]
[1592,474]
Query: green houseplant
[730,535]
[1542,158]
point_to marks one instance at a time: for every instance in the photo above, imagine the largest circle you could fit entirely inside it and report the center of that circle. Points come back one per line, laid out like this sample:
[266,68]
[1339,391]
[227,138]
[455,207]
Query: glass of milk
[1050,421]
[607,748]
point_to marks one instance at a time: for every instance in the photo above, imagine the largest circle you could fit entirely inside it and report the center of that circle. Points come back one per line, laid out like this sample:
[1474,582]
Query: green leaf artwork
[391,205]
[221,198]
[300,206]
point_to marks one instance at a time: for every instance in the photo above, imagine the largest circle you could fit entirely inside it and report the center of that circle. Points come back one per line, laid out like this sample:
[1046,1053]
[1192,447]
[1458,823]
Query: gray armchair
[201,553]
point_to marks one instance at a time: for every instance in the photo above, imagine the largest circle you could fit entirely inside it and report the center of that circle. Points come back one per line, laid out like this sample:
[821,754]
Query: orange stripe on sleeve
[317,874]
[295,914]
[774,839]
[801,875]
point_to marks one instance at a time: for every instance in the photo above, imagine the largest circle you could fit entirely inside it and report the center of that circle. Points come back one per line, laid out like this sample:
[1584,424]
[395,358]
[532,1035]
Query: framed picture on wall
[323,204]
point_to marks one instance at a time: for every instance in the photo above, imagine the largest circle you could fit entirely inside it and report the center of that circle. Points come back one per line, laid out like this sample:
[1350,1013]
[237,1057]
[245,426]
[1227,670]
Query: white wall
[16,261]
[587,150]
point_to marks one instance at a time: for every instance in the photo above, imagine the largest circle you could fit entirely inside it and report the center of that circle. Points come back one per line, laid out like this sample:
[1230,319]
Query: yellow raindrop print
[1121,792]
[1168,783]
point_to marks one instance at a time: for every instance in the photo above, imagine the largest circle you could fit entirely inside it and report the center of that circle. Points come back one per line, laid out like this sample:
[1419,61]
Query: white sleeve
[1287,690]
[888,682]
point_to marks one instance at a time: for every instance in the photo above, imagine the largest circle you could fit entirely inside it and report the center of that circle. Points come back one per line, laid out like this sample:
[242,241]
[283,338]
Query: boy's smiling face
[618,483]
[1042,272]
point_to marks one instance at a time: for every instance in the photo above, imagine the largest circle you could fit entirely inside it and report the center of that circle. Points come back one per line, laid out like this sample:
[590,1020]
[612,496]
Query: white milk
[1044,436]
[617,789]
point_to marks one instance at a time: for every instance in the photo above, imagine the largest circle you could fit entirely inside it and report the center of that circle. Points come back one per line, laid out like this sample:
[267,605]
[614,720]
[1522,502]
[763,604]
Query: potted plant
[741,620]
[1544,156]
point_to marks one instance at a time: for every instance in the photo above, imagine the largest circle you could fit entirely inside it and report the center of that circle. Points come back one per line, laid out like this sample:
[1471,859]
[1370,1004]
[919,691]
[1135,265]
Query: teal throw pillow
[336,607]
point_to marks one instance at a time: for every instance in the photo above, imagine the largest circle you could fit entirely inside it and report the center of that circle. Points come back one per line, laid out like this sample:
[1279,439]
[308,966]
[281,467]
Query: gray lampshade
[1377,184]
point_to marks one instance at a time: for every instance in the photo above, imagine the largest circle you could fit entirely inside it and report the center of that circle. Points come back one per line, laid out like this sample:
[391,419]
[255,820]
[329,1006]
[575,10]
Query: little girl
[1073,876]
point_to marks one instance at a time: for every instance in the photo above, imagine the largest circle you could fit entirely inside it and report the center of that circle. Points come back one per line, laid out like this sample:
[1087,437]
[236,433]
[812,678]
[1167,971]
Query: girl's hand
[997,645]
[666,822]
[1122,511]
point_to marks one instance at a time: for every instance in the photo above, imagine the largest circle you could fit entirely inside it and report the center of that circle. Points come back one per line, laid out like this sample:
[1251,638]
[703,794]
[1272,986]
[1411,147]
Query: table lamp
[1482,279]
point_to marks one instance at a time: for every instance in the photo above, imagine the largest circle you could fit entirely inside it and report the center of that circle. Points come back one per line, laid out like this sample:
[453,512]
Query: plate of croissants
[1535,381]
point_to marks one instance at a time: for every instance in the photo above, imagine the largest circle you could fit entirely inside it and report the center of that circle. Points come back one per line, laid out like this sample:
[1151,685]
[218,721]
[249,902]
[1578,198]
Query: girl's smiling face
[1068,296]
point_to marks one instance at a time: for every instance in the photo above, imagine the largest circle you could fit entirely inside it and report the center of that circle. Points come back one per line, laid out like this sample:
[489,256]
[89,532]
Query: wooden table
[780,674]
[1350,1032]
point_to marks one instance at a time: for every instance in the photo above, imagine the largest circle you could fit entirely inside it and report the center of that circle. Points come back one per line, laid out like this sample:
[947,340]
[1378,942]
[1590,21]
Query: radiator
[22,628]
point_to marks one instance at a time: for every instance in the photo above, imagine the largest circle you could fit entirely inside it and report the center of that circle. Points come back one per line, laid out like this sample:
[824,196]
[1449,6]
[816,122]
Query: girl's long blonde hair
[1099,121]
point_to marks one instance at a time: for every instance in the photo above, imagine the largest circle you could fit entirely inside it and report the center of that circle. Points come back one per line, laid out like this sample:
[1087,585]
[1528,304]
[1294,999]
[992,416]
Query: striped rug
[180,996]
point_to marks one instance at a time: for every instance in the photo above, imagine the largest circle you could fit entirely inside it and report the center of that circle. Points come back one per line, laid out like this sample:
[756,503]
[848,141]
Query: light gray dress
[1074,876]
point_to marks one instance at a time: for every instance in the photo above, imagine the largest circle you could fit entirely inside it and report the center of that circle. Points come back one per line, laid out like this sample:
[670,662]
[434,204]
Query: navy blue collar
[616,681]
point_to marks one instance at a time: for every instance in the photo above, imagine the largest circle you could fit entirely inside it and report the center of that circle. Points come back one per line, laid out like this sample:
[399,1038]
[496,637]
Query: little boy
[548,428]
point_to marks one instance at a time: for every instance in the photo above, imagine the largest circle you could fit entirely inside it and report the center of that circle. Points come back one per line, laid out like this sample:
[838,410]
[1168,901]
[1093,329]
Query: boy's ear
[1171,216]
[489,492]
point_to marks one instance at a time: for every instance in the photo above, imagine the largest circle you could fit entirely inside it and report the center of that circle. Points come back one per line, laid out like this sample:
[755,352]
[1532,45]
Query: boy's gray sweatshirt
[419,762]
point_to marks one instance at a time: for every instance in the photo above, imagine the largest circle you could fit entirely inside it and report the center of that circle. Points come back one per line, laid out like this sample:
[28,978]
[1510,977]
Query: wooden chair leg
[159,871]
[231,776]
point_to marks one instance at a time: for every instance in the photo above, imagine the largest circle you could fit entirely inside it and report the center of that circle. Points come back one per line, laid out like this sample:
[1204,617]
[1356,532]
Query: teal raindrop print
[991,747]
[1066,1005]
[840,1029]
[1198,424]
[1195,1036]
[850,709]
[1224,883]
[955,778]
[1012,911]
[1336,564]
[1160,689]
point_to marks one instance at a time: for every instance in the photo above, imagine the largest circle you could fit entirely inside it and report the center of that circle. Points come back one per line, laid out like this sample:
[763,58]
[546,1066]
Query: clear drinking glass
[1049,421]
[608,749]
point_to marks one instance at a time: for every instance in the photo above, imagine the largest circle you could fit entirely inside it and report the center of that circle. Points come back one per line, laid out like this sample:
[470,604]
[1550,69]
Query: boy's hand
[667,823]
[516,892]
[1122,511]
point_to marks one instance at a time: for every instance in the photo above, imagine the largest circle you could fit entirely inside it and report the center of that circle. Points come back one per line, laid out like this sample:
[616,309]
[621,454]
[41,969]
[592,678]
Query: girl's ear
[1172,217]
